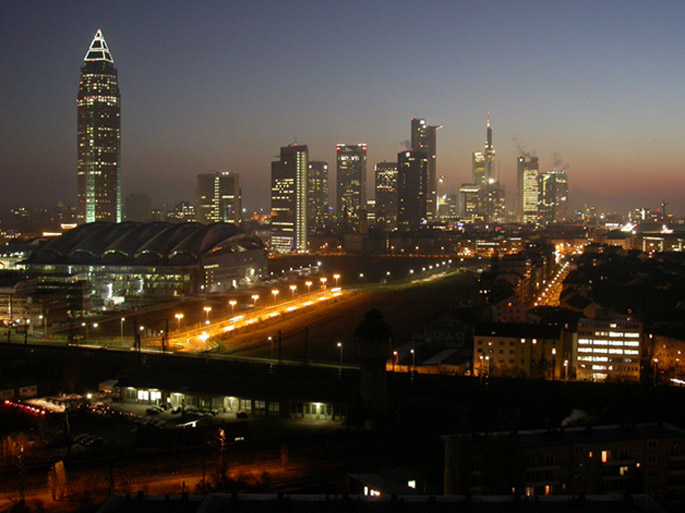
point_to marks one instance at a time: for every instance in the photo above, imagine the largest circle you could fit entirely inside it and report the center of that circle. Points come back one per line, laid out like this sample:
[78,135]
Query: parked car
[241,415]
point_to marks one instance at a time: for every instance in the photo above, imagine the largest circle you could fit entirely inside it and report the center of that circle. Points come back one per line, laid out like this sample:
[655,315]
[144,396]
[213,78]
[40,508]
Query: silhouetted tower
[373,348]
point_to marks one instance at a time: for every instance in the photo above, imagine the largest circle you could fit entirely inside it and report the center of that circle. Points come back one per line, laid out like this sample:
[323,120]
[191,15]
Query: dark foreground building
[613,459]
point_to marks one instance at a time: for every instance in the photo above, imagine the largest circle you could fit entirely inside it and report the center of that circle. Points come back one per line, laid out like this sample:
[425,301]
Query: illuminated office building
[317,195]
[491,206]
[351,182]
[469,200]
[289,200]
[528,189]
[386,194]
[609,350]
[217,198]
[553,201]
[424,138]
[412,188]
[98,136]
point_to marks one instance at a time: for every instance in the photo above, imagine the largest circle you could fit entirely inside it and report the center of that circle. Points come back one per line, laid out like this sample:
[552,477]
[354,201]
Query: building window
[605,456]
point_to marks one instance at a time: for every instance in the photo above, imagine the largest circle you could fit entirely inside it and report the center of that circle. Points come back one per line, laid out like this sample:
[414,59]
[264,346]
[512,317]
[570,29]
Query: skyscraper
[553,200]
[424,138]
[289,200]
[317,195]
[351,182]
[412,188]
[528,189]
[98,136]
[217,197]
[386,194]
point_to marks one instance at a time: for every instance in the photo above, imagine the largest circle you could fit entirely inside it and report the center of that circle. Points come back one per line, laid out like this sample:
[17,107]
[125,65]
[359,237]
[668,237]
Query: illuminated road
[204,338]
[552,291]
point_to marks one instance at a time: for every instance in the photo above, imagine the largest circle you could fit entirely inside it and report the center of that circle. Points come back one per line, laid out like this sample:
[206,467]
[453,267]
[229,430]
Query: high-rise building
[289,200]
[317,195]
[609,350]
[469,200]
[138,207]
[491,201]
[412,188]
[424,138]
[528,189]
[218,198]
[98,136]
[553,201]
[478,168]
[351,183]
[386,194]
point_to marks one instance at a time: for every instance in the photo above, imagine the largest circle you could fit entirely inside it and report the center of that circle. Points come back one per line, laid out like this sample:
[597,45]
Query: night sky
[598,86]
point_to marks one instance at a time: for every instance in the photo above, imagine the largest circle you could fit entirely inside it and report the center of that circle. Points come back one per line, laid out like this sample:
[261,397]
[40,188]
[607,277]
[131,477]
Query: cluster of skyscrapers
[406,190]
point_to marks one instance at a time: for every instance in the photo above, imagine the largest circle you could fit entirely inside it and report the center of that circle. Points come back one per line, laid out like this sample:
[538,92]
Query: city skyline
[595,87]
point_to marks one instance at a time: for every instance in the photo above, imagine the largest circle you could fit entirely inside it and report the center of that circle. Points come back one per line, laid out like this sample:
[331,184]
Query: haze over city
[595,88]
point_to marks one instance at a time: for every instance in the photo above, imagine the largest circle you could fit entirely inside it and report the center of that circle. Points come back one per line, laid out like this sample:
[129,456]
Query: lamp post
[179,318]
[271,341]
[85,325]
[44,318]
[554,363]
[207,309]
[293,288]
[121,327]
[308,284]
[336,277]
[232,302]
[395,357]
[340,346]
[413,363]
[323,281]
[255,297]
[275,293]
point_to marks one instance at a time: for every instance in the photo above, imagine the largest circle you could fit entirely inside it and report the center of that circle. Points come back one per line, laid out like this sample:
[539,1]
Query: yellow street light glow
[274,314]
[322,299]
[204,336]
[308,285]
[337,294]
[237,318]
[293,288]
[255,297]
[336,289]
[275,292]
[308,303]
[291,308]
[229,328]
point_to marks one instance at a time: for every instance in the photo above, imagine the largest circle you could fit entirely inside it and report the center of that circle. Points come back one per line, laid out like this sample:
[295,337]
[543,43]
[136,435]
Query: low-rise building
[521,350]
[609,350]
[580,460]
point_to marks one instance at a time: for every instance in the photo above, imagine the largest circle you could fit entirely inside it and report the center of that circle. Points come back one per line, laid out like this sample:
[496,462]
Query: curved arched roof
[132,243]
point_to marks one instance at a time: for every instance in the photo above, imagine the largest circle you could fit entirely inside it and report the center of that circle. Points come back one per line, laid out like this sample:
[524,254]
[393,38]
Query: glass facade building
[98,136]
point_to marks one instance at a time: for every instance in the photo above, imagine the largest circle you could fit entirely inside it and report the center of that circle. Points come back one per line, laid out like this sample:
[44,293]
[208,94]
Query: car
[152,411]
[165,406]
[241,415]
[176,410]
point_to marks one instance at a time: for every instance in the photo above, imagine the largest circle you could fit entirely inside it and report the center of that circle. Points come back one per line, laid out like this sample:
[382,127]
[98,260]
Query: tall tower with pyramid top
[98,136]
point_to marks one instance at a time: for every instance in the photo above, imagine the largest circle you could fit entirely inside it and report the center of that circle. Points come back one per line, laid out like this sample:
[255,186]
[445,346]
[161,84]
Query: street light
[178,316]
[85,325]
[293,288]
[395,358]
[271,341]
[340,346]
[413,363]
[308,284]
[275,292]
[45,324]
[207,309]
[121,326]
[323,281]
[336,277]
[255,297]
[232,302]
